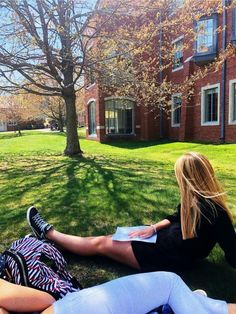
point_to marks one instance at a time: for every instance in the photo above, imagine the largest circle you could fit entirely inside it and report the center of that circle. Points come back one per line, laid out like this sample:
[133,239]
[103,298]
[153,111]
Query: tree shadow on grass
[132,144]
[91,196]
[135,144]
[9,136]
[98,195]
[81,195]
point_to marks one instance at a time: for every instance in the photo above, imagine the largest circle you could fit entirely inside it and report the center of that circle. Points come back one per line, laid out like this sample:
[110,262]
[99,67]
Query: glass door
[92,118]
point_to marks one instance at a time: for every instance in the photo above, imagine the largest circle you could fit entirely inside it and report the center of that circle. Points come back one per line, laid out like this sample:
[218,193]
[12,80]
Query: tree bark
[19,131]
[60,119]
[72,139]
[60,125]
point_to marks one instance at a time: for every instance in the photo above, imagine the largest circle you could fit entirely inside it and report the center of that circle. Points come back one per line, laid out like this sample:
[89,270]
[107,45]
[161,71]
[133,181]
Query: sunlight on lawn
[120,183]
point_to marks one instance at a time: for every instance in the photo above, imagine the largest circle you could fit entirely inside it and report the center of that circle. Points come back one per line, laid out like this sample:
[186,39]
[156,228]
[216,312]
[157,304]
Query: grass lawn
[121,183]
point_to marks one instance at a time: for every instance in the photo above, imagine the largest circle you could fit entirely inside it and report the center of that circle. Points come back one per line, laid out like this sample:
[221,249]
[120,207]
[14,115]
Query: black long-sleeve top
[215,227]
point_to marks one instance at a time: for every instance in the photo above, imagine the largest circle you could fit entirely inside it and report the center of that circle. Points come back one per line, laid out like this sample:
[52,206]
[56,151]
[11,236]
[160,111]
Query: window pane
[179,3]
[207,106]
[234,24]
[211,105]
[234,102]
[178,54]
[176,109]
[119,116]
[109,104]
[129,121]
[92,118]
[205,36]
[110,117]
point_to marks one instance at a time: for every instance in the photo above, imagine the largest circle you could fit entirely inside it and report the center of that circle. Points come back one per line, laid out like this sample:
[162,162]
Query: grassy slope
[113,184]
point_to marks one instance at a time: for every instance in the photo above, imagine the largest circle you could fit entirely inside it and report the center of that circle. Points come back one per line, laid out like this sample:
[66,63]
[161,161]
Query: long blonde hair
[196,178]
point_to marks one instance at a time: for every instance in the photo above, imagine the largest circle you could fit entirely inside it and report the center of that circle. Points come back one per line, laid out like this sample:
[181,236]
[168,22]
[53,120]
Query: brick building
[10,123]
[210,115]
[3,120]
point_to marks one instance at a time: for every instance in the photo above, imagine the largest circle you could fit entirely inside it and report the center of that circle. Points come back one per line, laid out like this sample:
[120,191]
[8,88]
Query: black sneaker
[37,224]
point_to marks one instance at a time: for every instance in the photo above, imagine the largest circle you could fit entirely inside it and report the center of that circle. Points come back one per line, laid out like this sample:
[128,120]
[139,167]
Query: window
[233,35]
[210,105]
[119,116]
[232,102]
[205,36]
[174,6]
[179,3]
[11,123]
[92,118]
[178,54]
[206,39]
[176,110]
[3,126]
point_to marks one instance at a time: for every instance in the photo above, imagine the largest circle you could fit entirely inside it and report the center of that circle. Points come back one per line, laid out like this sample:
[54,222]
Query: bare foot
[232,308]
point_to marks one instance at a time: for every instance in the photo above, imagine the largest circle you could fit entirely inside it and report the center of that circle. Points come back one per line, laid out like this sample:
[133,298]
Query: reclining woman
[202,219]
[135,294]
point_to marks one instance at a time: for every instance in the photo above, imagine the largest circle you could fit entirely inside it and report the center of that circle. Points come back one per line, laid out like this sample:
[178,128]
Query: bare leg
[232,308]
[101,245]
[48,311]
[23,299]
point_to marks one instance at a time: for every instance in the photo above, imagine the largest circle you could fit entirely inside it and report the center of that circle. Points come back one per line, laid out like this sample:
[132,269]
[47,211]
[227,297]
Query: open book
[122,234]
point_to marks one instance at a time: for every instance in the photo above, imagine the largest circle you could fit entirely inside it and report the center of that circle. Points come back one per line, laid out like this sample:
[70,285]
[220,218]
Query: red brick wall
[147,121]
[191,128]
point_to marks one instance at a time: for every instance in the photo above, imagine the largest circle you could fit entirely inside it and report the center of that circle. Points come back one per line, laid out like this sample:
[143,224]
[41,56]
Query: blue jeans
[139,294]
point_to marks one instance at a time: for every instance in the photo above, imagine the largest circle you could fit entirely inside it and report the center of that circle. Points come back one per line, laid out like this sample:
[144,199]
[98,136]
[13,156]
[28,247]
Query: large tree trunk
[72,139]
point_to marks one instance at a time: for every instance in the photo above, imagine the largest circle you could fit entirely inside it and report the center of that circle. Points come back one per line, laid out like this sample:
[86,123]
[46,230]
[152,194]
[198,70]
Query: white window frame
[119,97]
[174,125]
[173,42]
[91,100]
[203,89]
[231,101]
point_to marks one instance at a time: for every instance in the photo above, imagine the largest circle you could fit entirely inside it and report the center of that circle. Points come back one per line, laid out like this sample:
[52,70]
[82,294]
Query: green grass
[119,183]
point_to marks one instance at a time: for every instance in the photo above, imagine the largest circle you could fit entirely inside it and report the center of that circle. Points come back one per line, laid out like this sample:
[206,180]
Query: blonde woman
[202,220]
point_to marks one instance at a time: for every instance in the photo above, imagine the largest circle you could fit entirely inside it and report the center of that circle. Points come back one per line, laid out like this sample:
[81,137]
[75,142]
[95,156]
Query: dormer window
[205,36]
[206,39]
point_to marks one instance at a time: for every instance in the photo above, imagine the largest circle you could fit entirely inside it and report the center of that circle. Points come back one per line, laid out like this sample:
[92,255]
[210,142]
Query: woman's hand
[144,233]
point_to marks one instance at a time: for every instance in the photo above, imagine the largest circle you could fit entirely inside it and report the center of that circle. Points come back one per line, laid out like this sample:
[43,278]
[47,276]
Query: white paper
[122,234]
